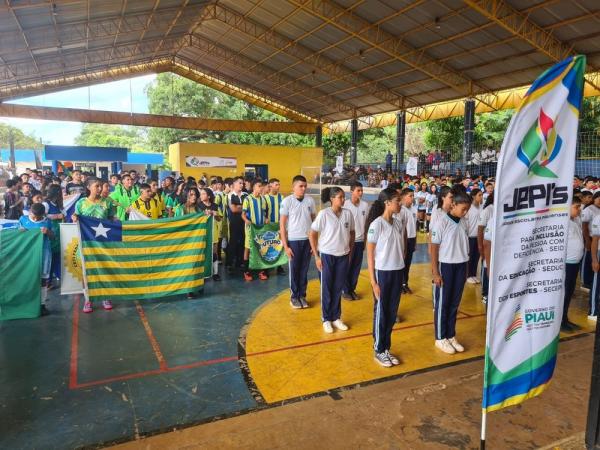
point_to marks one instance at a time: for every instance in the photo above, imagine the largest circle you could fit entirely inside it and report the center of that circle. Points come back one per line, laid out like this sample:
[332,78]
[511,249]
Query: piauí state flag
[530,224]
[145,259]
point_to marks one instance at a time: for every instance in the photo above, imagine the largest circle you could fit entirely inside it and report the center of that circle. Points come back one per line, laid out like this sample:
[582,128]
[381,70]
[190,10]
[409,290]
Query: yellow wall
[284,162]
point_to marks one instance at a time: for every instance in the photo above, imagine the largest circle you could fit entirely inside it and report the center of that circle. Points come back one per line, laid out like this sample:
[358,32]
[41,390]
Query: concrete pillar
[353,141]
[469,131]
[400,139]
[319,136]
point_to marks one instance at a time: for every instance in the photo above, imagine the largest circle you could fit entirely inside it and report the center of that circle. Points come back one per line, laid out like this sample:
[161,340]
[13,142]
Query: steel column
[469,130]
[400,139]
[319,136]
[592,435]
[353,141]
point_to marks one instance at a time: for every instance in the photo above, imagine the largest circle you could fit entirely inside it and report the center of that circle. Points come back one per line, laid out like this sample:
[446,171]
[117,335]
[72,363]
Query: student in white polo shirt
[385,260]
[359,209]
[296,214]
[587,216]
[410,212]
[595,291]
[449,258]
[574,255]
[486,215]
[472,218]
[331,240]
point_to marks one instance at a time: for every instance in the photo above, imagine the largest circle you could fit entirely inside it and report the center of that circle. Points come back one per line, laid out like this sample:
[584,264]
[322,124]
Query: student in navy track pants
[359,210]
[331,240]
[385,260]
[449,261]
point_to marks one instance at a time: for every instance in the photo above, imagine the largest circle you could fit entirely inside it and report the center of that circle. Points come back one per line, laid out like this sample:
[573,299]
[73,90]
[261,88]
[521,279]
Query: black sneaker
[566,327]
[406,289]
[295,303]
[216,277]
[353,295]
[347,296]
[44,311]
[230,270]
[280,270]
[383,359]
[303,302]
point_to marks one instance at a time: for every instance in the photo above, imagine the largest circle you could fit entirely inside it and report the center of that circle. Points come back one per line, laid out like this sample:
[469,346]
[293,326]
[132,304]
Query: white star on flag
[101,230]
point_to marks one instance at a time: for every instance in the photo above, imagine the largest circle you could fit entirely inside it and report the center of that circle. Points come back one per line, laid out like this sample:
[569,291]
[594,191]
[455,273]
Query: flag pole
[483,429]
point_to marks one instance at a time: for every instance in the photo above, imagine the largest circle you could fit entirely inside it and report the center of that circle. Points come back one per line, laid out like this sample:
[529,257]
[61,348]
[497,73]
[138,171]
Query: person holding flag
[124,195]
[254,213]
[273,200]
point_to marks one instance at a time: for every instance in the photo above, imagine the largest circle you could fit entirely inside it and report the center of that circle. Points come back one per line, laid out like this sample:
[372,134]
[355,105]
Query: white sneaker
[472,280]
[477,280]
[340,325]
[454,343]
[394,359]
[327,327]
[584,289]
[593,318]
[445,346]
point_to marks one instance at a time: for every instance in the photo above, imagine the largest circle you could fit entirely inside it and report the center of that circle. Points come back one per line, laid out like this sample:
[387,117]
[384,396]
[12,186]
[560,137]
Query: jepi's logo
[269,245]
[540,147]
[515,326]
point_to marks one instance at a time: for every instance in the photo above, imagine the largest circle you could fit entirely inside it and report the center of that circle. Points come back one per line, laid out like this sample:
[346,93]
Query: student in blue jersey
[254,212]
[587,217]
[385,261]
[359,209]
[595,291]
[296,215]
[574,254]
[410,212]
[449,258]
[331,240]
[473,222]
[37,220]
[273,199]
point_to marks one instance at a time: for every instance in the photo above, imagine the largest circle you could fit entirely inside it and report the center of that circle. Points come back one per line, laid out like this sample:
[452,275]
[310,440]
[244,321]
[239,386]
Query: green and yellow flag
[146,258]
[266,249]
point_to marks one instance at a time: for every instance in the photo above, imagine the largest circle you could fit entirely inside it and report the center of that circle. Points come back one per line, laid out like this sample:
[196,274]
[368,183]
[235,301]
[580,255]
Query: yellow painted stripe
[161,237]
[145,290]
[146,250]
[142,264]
[166,224]
[145,276]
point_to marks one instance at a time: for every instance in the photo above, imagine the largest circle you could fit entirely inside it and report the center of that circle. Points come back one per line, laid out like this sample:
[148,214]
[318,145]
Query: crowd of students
[455,215]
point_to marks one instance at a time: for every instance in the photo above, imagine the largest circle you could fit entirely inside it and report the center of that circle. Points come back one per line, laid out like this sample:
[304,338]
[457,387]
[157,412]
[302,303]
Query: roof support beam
[375,36]
[519,24]
[151,120]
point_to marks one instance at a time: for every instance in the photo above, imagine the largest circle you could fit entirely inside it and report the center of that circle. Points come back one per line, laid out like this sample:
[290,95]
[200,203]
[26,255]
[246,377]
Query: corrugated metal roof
[328,60]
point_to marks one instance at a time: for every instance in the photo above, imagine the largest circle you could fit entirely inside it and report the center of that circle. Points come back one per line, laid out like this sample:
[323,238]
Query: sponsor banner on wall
[210,161]
[531,220]
[71,280]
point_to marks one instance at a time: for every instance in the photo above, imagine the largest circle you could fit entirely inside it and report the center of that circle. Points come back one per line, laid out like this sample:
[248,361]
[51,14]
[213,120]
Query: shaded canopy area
[307,60]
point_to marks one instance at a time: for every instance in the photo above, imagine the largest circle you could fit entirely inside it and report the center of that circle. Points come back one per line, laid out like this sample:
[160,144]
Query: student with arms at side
[359,210]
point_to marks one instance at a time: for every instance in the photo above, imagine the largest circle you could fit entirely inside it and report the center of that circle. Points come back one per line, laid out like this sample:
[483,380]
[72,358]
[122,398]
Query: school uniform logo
[346,224]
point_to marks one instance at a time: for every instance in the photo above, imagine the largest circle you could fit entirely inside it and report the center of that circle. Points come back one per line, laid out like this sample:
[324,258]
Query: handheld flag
[145,259]
[266,248]
[531,219]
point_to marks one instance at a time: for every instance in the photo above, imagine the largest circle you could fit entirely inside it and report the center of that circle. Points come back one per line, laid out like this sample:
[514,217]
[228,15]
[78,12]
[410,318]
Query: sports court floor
[86,380]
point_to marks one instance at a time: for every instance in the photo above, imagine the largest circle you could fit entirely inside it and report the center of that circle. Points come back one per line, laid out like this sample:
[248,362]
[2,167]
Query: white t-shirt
[595,226]
[588,214]
[334,238]
[360,217]
[384,184]
[421,196]
[430,202]
[473,220]
[436,215]
[410,221]
[575,241]
[389,241]
[299,214]
[487,235]
[453,239]
[485,214]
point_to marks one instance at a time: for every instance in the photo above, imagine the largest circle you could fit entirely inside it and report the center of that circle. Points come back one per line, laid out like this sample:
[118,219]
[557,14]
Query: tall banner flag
[20,287]
[71,272]
[69,202]
[531,219]
[147,258]
[266,249]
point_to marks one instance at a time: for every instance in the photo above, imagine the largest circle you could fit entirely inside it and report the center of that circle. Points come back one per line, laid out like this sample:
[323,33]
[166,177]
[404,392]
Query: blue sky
[123,95]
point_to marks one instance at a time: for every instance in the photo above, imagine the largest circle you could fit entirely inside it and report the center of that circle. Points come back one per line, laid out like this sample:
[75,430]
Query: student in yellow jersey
[147,204]
[157,194]
[273,200]
[254,212]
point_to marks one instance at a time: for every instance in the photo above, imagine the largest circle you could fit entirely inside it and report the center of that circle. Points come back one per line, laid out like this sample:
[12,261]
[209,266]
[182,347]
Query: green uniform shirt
[124,198]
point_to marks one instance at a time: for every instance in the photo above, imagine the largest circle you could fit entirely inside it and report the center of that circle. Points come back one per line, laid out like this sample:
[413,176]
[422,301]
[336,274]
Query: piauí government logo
[540,146]
[515,326]
[269,245]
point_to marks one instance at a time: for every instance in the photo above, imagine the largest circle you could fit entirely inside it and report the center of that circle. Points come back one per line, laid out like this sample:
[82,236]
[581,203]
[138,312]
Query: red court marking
[74,344]
[211,362]
[153,342]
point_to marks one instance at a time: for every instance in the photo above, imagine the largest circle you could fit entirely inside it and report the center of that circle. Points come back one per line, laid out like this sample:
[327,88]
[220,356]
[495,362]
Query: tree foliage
[20,139]
[100,135]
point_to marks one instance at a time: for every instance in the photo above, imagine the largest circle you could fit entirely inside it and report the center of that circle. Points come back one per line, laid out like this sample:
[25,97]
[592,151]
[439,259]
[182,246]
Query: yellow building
[229,160]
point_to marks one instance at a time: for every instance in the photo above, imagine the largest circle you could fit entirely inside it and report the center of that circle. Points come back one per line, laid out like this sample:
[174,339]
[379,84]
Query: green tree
[445,135]
[21,140]
[375,143]
[335,144]
[100,135]
[490,128]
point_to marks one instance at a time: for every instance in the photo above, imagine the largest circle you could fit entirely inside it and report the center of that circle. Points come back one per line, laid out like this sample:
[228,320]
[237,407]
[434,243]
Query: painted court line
[164,368]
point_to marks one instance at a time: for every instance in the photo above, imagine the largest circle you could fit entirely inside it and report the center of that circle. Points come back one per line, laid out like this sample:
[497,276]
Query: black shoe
[353,295]
[44,311]
[566,327]
[216,277]
[347,296]
[303,302]
[574,326]
[280,270]
[295,303]
[406,289]
[230,270]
